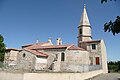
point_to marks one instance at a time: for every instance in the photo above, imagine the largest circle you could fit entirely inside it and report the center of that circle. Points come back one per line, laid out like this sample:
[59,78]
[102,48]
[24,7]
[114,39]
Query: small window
[24,55]
[62,56]
[91,60]
[93,46]
[80,31]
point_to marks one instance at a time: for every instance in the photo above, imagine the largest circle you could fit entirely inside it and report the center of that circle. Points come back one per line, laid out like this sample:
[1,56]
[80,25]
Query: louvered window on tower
[80,31]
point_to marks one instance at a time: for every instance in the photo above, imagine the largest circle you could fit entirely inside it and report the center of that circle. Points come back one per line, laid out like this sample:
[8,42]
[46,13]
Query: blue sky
[24,21]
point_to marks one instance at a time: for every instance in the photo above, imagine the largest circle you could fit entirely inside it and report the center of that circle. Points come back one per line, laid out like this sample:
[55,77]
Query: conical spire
[84,18]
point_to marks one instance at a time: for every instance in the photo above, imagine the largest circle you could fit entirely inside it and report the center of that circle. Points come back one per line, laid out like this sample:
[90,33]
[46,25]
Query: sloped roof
[37,45]
[64,46]
[36,52]
[9,49]
[73,47]
[42,46]
[34,45]
[53,47]
[84,18]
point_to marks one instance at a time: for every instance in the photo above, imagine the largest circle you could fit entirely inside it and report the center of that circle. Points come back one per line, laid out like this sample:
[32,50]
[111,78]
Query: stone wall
[11,76]
[61,76]
[75,61]
[40,63]
[95,67]
[11,57]
[54,58]
[74,67]
[72,59]
[77,56]
[48,76]
[26,61]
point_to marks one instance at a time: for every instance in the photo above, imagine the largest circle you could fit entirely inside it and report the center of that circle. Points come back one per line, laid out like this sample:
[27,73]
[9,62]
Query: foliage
[114,66]
[2,48]
[113,27]
[105,1]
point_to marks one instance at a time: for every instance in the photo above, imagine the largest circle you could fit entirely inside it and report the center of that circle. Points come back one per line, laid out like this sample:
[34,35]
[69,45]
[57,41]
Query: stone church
[89,55]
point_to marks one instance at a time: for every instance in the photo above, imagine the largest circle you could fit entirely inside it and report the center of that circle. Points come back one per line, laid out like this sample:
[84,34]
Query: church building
[89,55]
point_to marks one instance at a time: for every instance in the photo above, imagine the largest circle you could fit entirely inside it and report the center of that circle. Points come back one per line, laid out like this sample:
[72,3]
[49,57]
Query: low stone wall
[10,76]
[95,67]
[48,76]
[74,67]
[61,76]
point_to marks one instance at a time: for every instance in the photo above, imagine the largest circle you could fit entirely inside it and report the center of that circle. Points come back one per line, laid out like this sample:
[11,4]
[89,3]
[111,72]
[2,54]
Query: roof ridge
[69,46]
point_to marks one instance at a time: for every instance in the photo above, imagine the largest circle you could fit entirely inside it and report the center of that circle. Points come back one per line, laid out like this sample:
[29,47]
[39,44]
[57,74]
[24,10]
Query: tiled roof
[73,47]
[36,52]
[41,46]
[36,45]
[12,49]
[65,46]
[53,47]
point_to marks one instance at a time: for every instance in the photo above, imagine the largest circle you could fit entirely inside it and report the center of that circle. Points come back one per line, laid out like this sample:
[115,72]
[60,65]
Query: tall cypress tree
[2,48]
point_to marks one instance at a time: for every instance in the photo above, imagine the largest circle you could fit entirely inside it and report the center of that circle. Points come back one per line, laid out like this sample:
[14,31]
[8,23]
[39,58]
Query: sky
[24,21]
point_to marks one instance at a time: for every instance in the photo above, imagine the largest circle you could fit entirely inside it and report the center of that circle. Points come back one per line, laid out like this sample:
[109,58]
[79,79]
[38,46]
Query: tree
[105,1]
[113,27]
[2,48]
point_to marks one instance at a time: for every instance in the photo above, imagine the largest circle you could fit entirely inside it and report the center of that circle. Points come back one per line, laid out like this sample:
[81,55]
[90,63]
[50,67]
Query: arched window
[24,55]
[62,56]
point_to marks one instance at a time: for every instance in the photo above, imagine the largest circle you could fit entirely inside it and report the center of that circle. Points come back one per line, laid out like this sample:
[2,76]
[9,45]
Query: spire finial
[84,4]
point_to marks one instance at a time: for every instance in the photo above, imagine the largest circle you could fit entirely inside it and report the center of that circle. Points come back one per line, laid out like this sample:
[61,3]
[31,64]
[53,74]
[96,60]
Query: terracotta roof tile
[53,47]
[37,45]
[73,47]
[41,46]
[36,52]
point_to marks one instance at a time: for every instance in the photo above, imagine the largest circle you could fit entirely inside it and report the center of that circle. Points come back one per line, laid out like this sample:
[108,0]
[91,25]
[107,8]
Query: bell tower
[84,28]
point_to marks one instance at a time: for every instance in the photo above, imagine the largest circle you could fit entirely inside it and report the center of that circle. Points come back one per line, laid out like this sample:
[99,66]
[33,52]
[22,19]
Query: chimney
[49,40]
[59,41]
[37,41]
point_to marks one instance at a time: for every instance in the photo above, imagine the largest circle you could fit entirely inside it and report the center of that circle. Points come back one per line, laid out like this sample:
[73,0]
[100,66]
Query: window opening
[24,55]
[62,56]
[93,46]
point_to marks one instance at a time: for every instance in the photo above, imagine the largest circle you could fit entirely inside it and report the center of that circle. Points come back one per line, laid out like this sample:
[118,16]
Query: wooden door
[97,61]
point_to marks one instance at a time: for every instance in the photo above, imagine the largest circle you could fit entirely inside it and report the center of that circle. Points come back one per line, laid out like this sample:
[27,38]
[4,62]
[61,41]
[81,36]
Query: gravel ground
[109,76]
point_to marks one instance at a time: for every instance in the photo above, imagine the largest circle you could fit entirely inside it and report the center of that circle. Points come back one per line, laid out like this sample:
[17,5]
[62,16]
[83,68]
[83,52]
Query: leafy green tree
[2,48]
[114,26]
